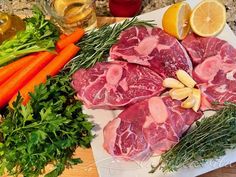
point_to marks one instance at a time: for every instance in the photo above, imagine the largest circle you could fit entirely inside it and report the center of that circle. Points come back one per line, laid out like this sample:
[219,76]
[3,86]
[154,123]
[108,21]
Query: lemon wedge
[176,20]
[208,18]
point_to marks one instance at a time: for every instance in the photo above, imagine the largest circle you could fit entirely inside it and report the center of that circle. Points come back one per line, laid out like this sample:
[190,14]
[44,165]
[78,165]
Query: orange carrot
[50,70]
[72,38]
[9,88]
[63,36]
[8,70]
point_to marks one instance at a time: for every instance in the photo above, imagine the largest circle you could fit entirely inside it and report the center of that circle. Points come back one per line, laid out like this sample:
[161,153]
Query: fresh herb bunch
[52,125]
[40,34]
[95,45]
[211,137]
[48,129]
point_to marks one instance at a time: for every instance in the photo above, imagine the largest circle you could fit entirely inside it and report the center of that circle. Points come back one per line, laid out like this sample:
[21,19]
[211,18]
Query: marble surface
[22,7]
[150,5]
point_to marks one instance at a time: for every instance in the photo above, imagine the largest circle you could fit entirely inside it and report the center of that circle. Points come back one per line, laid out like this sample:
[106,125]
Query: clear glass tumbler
[71,14]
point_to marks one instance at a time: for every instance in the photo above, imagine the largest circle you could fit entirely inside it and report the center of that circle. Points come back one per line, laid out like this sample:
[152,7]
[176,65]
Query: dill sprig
[96,44]
[211,137]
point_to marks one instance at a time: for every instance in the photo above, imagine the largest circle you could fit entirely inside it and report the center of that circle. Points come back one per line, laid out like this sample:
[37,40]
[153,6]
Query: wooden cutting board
[88,167]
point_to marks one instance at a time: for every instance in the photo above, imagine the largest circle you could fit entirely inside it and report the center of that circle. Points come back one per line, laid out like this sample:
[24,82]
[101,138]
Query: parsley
[48,129]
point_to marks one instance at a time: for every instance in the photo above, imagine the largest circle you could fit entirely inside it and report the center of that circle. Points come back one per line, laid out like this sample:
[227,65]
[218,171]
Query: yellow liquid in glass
[76,13]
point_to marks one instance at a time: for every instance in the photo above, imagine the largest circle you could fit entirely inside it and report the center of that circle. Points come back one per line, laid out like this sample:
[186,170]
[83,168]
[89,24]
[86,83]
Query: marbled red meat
[112,85]
[152,47]
[148,127]
[215,69]
[201,48]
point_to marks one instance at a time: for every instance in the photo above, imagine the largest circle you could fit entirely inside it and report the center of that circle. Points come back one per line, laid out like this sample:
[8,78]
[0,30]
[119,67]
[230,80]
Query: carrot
[63,36]
[9,88]
[72,38]
[50,70]
[8,70]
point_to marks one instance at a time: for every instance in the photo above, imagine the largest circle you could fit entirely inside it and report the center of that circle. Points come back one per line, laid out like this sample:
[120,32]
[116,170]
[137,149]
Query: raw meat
[216,69]
[152,47]
[112,85]
[200,48]
[148,127]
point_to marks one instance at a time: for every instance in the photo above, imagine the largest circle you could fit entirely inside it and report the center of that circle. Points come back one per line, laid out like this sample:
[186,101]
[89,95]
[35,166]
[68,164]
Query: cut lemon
[176,20]
[208,18]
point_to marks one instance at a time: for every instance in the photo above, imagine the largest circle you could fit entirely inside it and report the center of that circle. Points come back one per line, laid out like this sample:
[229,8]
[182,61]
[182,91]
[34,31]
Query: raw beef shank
[112,85]
[215,70]
[148,127]
[152,47]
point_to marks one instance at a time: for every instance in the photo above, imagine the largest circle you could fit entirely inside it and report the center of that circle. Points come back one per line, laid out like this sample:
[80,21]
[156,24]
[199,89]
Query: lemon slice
[176,20]
[208,18]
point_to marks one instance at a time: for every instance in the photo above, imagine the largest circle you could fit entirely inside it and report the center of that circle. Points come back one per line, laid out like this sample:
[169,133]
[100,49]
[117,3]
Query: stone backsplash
[22,7]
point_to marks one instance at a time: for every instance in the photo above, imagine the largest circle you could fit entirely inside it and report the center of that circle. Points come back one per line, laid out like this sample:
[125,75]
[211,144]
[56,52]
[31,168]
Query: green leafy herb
[52,125]
[95,45]
[48,129]
[40,35]
[211,137]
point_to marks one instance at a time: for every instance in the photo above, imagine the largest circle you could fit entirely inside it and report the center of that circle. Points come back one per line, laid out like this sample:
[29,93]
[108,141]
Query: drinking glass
[125,8]
[71,14]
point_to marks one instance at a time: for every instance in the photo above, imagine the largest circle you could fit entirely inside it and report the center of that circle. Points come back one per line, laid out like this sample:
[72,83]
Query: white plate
[110,167]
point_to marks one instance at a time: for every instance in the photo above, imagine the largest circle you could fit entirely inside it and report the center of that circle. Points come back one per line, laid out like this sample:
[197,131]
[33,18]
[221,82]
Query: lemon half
[208,18]
[176,20]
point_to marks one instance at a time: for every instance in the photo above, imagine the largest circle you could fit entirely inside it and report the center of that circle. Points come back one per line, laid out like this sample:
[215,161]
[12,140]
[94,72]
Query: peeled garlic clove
[197,96]
[185,78]
[172,83]
[180,94]
[189,102]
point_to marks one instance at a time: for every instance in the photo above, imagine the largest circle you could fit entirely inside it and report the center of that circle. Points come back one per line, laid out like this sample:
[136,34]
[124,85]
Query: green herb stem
[96,44]
[209,139]
[40,35]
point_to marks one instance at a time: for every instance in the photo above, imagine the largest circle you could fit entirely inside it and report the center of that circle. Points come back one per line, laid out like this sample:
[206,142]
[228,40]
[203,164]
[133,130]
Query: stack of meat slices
[150,122]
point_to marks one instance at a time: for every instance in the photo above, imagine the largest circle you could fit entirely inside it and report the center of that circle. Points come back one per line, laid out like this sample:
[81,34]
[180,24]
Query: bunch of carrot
[24,74]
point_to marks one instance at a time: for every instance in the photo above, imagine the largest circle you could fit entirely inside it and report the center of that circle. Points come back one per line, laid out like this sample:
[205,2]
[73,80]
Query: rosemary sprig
[95,45]
[211,137]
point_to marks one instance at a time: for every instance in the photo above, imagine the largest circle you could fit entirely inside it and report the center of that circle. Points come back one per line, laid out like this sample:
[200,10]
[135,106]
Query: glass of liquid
[10,23]
[125,8]
[71,14]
